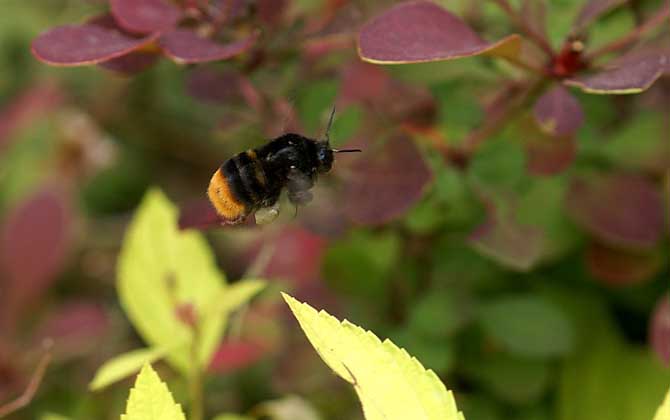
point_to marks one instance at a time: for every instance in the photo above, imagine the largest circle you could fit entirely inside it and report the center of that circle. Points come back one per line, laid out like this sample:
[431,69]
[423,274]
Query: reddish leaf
[34,244]
[558,112]
[234,355]
[75,327]
[26,107]
[270,12]
[621,268]
[383,184]
[550,155]
[296,257]
[594,9]
[209,85]
[184,47]
[362,83]
[145,16]
[659,329]
[199,214]
[621,210]
[502,238]
[420,31]
[86,44]
[534,13]
[133,63]
[629,77]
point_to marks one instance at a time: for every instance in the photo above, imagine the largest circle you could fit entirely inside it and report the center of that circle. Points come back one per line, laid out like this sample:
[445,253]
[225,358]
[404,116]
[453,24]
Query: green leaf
[161,269]
[663,412]
[528,326]
[124,365]
[150,399]
[389,382]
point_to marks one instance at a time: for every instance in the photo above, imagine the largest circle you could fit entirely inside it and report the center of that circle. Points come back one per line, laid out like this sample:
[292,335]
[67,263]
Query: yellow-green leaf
[161,268]
[663,412]
[150,399]
[390,383]
[52,416]
[124,365]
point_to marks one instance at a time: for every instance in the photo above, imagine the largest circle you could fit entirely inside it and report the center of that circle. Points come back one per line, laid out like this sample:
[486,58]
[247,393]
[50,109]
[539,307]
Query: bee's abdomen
[239,186]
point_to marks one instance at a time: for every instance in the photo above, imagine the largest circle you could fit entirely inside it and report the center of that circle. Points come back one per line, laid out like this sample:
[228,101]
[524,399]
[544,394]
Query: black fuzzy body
[256,177]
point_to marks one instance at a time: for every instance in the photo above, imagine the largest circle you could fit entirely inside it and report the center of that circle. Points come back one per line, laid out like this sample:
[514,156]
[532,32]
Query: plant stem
[538,38]
[34,383]
[195,380]
[633,36]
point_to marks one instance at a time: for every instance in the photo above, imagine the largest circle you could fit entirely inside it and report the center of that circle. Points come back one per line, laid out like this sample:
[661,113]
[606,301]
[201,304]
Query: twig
[35,382]
[521,23]
[633,36]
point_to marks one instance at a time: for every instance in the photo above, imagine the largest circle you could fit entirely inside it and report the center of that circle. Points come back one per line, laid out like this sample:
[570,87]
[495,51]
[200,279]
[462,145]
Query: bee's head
[324,156]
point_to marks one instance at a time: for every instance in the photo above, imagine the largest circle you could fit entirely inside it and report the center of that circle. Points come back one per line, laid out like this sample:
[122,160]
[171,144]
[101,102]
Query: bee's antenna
[346,150]
[330,124]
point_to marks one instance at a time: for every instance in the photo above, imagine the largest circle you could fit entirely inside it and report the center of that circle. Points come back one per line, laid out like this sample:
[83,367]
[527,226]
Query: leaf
[384,184]
[422,31]
[52,416]
[85,44]
[132,63]
[616,267]
[150,399]
[161,269]
[505,239]
[145,16]
[389,382]
[637,145]
[124,365]
[659,329]
[233,355]
[622,210]
[529,326]
[34,245]
[628,78]
[558,112]
[185,47]
[595,9]
[663,412]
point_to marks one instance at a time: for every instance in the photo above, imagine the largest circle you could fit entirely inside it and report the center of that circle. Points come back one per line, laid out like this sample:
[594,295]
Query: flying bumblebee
[252,181]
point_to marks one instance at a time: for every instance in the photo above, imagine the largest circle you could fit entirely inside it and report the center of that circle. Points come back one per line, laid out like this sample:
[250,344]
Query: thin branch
[535,36]
[633,36]
[35,381]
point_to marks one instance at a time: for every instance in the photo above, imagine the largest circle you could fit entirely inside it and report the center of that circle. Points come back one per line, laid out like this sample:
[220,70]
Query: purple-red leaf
[558,112]
[184,46]
[383,184]
[620,210]
[502,238]
[550,155]
[594,9]
[659,329]
[629,77]
[421,31]
[26,107]
[34,244]
[85,44]
[133,63]
[615,267]
[145,16]
[210,85]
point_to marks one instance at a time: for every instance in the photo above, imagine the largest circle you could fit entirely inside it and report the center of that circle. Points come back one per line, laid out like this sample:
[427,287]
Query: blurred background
[530,273]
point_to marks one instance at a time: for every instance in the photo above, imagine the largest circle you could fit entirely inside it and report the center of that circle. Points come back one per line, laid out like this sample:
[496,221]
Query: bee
[252,181]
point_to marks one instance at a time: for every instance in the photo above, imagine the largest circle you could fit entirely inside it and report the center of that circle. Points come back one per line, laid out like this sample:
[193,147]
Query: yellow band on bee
[225,203]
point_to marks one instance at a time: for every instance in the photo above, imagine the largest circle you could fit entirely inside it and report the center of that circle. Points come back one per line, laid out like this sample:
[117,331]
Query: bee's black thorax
[256,177]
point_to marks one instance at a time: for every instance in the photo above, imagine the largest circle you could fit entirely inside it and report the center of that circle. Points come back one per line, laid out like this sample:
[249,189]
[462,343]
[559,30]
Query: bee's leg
[298,186]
